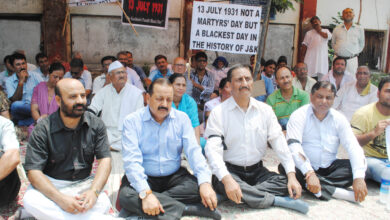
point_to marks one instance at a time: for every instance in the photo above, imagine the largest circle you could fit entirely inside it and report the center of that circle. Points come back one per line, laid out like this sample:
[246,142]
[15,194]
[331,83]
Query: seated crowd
[132,131]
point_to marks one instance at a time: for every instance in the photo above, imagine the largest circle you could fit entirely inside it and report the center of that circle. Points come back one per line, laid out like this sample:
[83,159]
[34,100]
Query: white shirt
[309,84]
[39,72]
[246,135]
[31,67]
[218,75]
[85,78]
[318,141]
[8,138]
[316,56]
[109,102]
[348,100]
[347,78]
[134,79]
[3,78]
[98,83]
[347,43]
[209,105]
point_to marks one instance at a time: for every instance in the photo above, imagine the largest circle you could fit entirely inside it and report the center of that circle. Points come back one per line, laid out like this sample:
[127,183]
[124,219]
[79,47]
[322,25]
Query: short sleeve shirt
[364,120]
[189,106]
[8,138]
[63,153]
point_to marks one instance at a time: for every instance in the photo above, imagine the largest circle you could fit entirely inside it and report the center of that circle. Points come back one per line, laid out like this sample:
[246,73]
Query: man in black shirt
[59,160]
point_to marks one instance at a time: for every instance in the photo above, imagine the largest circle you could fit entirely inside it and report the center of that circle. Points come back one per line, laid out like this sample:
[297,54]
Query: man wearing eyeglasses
[180,66]
[113,102]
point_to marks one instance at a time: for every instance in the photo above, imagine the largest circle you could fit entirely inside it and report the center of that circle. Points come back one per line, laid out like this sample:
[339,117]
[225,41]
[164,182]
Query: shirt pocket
[88,154]
[175,148]
[56,158]
[332,144]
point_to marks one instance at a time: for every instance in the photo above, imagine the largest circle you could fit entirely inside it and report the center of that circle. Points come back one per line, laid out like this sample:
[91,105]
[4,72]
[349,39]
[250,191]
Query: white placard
[225,27]
[75,3]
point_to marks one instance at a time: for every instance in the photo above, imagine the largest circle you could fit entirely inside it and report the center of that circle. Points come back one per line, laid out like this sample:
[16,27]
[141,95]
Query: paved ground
[334,209]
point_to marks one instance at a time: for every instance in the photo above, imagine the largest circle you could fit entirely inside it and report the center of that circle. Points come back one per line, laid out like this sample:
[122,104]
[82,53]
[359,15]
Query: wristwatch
[143,194]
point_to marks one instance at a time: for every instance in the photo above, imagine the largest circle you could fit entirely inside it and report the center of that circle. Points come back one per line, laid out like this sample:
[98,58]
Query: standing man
[238,131]
[103,80]
[59,158]
[132,76]
[302,80]
[287,98]
[180,66]
[354,95]
[348,40]
[9,160]
[153,139]
[369,124]
[20,88]
[314,133]
[338,76]
[202,80]
[78,72]
[43,63]
[315,49]
[162,70]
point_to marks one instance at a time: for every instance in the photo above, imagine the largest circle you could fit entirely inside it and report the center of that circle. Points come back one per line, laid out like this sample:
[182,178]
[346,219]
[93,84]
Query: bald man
[180,66]
[287,98]
[59,160]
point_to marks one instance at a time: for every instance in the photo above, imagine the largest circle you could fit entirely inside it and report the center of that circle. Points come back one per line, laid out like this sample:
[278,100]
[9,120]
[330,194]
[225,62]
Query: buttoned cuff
[141,186]
[359,174]
[222,172]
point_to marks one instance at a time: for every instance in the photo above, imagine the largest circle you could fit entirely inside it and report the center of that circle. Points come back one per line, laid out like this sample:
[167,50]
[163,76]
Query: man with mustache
[314,134]
[59,158]
[348,40]
[20,87]
[287,98]
[113,103]
[338,76]
[155,185]
[238,131]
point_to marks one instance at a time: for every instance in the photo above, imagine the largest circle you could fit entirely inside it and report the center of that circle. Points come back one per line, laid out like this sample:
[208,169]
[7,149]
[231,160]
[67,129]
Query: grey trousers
[173,192]
[338,174]
[259,186]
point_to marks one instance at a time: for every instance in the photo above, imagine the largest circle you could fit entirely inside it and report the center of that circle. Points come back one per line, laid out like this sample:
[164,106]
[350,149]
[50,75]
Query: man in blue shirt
[162,70]
[155,184]
[19,88]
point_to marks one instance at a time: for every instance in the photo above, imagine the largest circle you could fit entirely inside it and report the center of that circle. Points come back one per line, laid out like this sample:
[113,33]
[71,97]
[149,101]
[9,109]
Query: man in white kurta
[353,95]
[315,48]
[114,102]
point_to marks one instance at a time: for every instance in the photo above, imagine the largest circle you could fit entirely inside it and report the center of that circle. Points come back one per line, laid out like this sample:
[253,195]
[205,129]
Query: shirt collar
[147,116]
[310,112]
[232,104]
[366,90]
[57,124]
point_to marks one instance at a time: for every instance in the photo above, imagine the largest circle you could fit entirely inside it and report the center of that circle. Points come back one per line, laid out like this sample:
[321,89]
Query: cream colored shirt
[309,84]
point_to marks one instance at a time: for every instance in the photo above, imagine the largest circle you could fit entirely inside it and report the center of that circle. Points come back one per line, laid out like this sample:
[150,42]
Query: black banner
[151,13]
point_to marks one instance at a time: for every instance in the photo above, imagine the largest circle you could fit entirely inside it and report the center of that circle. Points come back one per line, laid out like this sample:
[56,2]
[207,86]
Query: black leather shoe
[201,211]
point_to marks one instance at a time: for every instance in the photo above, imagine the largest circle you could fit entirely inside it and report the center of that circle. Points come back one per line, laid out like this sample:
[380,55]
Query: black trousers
[259,186]
[9,188]
[173,192]
[338,174]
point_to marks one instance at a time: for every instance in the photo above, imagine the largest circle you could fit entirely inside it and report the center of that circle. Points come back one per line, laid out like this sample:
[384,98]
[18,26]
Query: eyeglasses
[119,72]
[179,65]
[202,60]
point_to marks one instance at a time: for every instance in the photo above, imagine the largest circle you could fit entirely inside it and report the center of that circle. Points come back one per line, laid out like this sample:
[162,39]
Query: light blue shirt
[39,72]
[156,74]
[188,105]
[151,149]
[28,87]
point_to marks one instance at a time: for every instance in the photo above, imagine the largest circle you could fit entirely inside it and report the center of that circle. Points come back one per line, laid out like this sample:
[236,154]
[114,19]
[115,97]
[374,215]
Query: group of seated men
[144,143]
